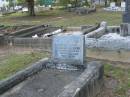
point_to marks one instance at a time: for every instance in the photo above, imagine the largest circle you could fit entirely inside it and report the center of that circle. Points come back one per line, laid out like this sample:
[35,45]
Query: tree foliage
[20,1]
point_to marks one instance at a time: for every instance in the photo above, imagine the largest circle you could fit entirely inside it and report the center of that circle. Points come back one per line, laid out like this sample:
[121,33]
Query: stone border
[22,75]
[88,84]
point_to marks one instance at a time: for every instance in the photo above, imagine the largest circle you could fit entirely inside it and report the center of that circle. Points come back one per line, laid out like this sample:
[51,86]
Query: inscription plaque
[69,49]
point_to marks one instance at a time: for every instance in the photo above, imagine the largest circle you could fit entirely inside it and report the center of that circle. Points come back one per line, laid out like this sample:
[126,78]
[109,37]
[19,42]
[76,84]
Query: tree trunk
[31,7]
[105,3]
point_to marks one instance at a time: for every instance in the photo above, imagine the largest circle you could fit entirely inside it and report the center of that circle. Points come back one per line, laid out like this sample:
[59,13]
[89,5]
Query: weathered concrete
[47,83]
[125,29]
[55,83]
[112,41]
[31,31]
[113,29]
[86,29]
[22,75]
[16,33]
[88,84]
[98,32]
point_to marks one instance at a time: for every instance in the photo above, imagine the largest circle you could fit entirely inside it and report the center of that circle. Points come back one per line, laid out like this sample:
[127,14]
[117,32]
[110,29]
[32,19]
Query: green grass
[17,62]
[123,78]
[63,18]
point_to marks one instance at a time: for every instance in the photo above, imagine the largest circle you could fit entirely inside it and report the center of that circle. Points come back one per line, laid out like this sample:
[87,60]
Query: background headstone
[123,5]
[126,15]
[112,4]
[69,49]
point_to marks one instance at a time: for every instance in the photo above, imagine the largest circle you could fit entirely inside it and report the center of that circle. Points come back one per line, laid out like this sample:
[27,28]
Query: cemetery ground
[117,77]
[62,18]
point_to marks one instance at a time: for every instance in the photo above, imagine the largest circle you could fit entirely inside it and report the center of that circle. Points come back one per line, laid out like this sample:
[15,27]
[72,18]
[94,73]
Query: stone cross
[126,15]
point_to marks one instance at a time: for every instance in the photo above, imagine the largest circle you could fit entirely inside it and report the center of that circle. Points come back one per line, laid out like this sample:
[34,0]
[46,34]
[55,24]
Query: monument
[126,15]
[69,49]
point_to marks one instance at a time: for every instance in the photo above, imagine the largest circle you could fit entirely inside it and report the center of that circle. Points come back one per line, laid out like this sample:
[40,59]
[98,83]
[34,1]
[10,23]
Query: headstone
[123,5]
[112,4]
[125,29]
[126,15]
[69,49]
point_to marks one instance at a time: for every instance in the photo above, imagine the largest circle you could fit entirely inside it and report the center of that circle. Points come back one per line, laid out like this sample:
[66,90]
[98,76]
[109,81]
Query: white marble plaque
[69,49]
[112,4]
[123,5]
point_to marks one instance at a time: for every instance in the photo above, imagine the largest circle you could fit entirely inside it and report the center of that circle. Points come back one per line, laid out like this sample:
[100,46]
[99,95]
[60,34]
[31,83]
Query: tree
[30,4]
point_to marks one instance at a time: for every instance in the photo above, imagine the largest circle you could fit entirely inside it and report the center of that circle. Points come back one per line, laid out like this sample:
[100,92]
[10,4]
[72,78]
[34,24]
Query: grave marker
[112,4]
[69,49]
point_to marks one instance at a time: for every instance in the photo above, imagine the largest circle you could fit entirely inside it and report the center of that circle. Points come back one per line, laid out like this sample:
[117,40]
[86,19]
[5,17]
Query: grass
[123,78]
[17,62]
[63,18]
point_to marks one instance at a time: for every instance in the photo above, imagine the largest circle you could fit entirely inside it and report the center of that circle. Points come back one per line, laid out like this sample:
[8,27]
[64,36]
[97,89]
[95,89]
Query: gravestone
[123,6]
[69,49]
[126,15]
[112,4]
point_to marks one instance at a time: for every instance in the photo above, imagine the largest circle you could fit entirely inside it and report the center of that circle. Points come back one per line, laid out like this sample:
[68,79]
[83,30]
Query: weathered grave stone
[112,4]
[123,5]
[125,29]
[126,15]
[69,49]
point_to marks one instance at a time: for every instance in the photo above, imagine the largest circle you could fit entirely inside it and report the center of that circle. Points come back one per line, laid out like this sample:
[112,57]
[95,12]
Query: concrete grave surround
[125,29]
[69,49]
